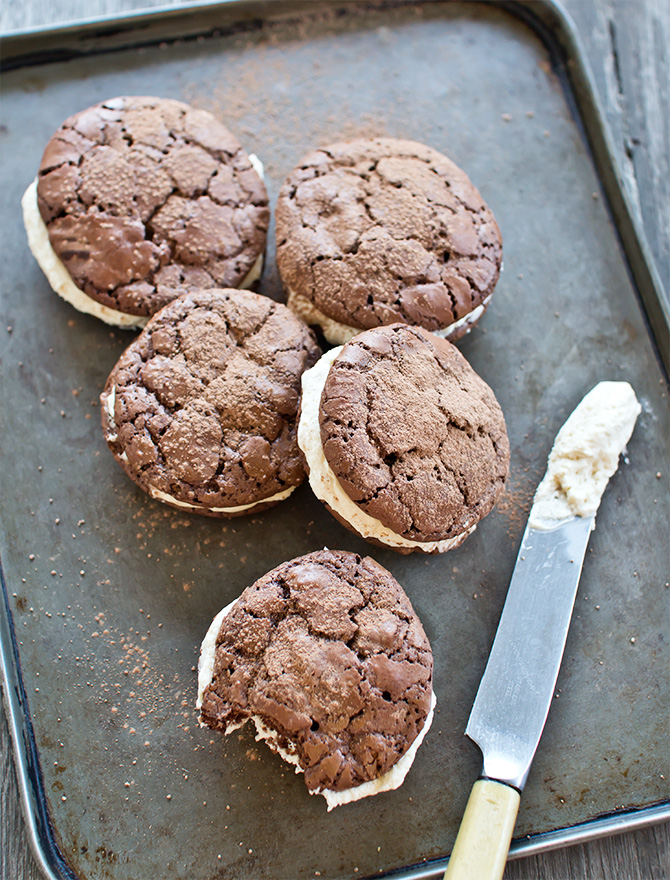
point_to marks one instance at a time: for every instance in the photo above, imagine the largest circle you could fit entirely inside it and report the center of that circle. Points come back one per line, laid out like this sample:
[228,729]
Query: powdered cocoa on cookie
[144,199]
[371,232]
[201,409]
[327,656]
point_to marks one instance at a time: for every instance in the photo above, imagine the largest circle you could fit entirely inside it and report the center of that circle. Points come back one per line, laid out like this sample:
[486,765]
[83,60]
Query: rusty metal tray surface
[107,594]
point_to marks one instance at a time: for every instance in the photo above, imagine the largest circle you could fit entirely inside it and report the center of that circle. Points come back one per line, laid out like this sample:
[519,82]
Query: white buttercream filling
[585,455]
[159,495]
[338,334]
[60,279]
[169,499]
[257,269]
[323,480]
[110,403]
[253,274]
[335,332]
[208,654]
[258,166]
[388,781]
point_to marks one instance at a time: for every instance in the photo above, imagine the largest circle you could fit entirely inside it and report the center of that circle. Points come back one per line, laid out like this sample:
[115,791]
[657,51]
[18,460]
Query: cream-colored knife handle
[483,840]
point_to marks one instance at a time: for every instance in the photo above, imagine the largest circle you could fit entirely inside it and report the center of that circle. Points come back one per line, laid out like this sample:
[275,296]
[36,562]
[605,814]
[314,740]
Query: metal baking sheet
[109,593]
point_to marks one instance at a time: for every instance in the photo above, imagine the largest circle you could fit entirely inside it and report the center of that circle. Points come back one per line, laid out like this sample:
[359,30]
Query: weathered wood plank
[628,47]
[16,859]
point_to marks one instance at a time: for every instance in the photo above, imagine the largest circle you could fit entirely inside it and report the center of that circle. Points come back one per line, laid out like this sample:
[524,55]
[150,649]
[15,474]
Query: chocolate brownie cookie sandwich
[200,410]
[373,232]
[404,442]
[140,199]
[327,657]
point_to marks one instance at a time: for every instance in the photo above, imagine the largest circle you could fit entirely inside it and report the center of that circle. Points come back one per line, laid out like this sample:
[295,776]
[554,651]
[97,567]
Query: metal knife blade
[517,687]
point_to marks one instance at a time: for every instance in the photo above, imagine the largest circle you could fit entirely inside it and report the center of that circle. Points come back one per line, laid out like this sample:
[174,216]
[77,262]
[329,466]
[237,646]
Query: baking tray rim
[555,29]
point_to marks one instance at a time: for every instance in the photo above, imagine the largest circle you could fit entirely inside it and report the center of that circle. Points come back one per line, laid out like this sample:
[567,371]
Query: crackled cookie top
[327,651]
[201,409]
[377,231]
[145,198]
[414,436]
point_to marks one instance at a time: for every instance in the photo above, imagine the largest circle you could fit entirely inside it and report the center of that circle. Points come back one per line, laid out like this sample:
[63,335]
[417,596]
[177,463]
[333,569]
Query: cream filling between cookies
[253,274]
[338,334]
[388,781]
[163,496]
[207,656]
[159,495]
[323,480]
[61,281]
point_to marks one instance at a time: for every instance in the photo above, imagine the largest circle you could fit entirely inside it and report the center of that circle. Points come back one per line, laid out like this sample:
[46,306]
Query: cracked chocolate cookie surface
[414,436]
[372,232]
[200,409]
[145,198]
[327,651]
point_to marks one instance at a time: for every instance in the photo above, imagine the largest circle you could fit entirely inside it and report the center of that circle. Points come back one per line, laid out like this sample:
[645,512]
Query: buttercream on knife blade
[585,455]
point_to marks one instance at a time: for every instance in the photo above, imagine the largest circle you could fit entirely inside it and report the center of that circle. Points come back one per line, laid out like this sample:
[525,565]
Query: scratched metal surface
[111,592]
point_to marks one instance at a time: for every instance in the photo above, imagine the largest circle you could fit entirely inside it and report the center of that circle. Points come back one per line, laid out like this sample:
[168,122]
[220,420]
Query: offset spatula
[518,684]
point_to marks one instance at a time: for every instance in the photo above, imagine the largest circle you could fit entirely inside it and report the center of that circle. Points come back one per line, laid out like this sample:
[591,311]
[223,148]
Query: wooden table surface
[627,43]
